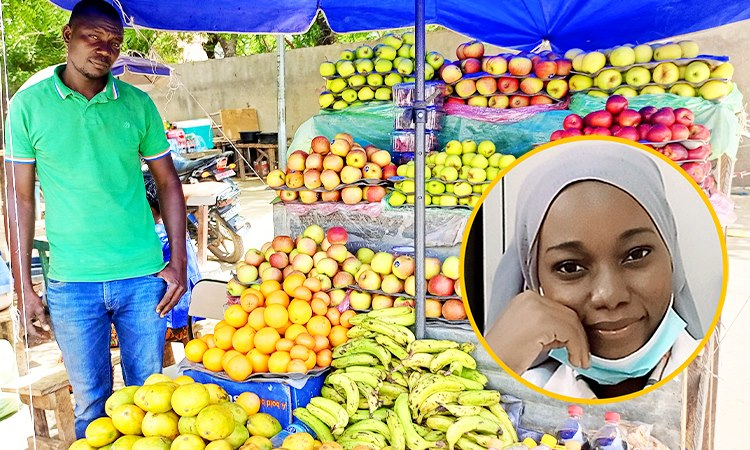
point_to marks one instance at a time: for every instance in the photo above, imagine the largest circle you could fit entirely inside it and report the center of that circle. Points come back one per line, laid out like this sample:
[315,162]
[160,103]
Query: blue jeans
[81,315]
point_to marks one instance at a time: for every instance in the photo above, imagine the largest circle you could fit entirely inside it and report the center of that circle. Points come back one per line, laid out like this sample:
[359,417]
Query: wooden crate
[233,121]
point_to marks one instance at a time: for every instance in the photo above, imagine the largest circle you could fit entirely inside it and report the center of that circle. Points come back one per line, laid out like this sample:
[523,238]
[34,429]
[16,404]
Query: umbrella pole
[420,120]
[281,99]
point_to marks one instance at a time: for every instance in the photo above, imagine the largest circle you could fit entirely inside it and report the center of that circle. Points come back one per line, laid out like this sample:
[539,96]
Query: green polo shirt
[98,222]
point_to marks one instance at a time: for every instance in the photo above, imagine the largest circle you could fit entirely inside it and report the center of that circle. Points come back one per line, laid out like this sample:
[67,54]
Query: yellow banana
[370,425]
[498,411]
[474,375]
[397,378]
[429,385]
[461,410]
[392,390]
[392,346]
[428,434]
[467,424]
[413,440]
[331,393]
[434,401]
[321,430]
[418,360]
[398,333]
[350,388]
[431,345]
[468,444]
[376,371]
[365,436]
[439,423]
[479,398]
[359,359]
[326,417]
[398,441]
[338,411]
[469,385]
[452,356]
[363,346]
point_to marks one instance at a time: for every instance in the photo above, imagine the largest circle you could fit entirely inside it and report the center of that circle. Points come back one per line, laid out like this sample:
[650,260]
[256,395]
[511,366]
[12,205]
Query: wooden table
[202,195]
[244,153]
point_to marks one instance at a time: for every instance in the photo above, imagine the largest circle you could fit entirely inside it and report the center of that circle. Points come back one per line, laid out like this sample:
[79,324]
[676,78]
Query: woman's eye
[569,268]
[638,254]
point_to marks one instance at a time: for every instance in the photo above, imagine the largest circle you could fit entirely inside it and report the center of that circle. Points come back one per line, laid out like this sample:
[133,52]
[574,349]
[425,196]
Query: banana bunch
[389,390]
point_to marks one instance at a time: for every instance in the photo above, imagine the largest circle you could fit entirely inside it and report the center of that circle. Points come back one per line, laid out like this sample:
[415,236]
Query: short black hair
[94,8]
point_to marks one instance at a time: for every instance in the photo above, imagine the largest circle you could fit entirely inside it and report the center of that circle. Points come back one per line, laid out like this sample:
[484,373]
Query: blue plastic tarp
[139,66]
[518,24]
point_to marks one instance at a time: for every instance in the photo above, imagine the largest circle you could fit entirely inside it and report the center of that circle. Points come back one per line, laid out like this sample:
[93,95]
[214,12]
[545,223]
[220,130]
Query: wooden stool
[7,332]
[48,393]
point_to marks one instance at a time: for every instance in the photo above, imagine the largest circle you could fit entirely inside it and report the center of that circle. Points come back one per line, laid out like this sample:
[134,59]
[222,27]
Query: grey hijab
[623,167]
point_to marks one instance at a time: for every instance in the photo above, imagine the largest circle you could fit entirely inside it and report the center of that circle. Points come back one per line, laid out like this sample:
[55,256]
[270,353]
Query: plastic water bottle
[609,437]
[571,430]
[292,428]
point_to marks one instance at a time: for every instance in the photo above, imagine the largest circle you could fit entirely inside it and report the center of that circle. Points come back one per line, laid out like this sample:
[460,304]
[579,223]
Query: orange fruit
[333,315]
[223,337]
[319,307]
[195,349]
[229,354]
[259,360]
[305,340]
[338,335]
[235,316]
[220,324]
[251,299]
[212,359]
[269,286]
[277,298]
[209,340]
[296,365]
[239,368]
[255,320]
[313,284]
[276,316]
[293,281]
[323,296]
[282,329]
[321,343]
[294,330]
[265,340]
[345,316]
[284,345]
[250,402]
[318,326]
[324,358]
[242,341]
[311,361]
[278,362]
[299,311]
[299,352]
[302,293]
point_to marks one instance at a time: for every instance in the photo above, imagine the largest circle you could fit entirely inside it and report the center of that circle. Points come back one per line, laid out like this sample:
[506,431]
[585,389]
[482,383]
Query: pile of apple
[671,132]
[368,73]
[341,170]
[650,69]
[386,280]
[457,176]
[505,81]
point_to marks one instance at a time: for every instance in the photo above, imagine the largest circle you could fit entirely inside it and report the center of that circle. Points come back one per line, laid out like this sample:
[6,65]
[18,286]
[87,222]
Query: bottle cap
[611,417]
[575,410]
[549,441]
[529,442]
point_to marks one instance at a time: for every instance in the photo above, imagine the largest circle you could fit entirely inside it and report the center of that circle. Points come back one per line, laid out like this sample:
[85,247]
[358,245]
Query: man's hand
[176,278]
[34,319]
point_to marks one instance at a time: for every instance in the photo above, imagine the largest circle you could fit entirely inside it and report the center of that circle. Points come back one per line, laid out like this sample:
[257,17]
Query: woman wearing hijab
[594,276]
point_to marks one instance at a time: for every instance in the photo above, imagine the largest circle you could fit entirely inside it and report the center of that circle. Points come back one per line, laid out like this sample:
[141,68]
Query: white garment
[563,380]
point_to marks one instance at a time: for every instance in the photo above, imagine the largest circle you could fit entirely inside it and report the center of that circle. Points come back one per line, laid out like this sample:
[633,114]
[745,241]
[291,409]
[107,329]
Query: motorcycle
[226,226]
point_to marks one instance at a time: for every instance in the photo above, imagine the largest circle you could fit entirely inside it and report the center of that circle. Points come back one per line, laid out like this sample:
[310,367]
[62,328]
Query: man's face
[93,45]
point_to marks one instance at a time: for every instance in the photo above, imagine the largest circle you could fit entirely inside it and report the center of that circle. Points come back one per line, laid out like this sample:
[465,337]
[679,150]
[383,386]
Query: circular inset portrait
[594,269]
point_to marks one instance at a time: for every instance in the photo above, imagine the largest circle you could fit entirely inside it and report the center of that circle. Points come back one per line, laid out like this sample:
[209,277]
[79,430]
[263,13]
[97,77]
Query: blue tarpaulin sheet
[518,24]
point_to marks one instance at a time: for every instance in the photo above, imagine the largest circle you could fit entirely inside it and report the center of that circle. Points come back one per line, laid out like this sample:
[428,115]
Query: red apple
[643,130]
[684,116]
[545,69]
[702,152]
[629,118]
[630,133]
[697,170]
[602,131]
[296,161]
[600,118]
[455,101]
[699,132]
[471,65]
[674,151]
[679,132]
[587,130]
[572,132]
[440,285]
[507,85]
[572,121]
[460,50]
[520,66]
[330,196]
[321,145]
[564,66]
[540,100]
[389,171]
[614,129]
[474,49]
[518,101]
[374,194]
[664,116]
[659,133]
[450,73]
[556,135]
[646,113]
[337,235]
[616,104]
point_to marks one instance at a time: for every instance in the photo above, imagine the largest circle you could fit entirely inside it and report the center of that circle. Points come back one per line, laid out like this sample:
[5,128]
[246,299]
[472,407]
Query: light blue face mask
[641,362]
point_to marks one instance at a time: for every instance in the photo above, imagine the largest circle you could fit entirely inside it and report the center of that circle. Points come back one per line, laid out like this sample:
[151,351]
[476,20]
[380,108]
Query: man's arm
[172,205]
[20,222]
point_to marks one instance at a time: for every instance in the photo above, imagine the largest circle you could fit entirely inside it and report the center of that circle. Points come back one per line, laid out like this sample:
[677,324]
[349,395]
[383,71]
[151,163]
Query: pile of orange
[278,328]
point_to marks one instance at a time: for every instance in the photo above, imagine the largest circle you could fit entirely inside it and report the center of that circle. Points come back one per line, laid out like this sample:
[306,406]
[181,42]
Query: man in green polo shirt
[83,133]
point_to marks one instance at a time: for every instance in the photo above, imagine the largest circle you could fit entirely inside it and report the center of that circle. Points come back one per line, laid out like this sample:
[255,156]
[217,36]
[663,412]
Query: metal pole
[281,99]
[420,119]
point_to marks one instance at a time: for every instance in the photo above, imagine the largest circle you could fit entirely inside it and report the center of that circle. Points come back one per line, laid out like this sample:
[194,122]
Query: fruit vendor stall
[370,216]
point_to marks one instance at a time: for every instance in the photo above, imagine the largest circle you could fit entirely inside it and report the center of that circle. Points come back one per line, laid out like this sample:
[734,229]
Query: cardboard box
[278,398]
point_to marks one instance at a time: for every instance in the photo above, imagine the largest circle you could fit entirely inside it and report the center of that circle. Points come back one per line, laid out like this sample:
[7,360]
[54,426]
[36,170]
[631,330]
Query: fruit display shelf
[398,200]
[362,182]
[713,61]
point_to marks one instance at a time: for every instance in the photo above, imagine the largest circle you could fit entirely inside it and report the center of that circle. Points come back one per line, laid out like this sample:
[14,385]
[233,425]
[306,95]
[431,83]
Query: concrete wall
[250,81]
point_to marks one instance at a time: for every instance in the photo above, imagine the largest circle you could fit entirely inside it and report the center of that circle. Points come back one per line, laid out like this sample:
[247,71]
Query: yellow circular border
[663,381]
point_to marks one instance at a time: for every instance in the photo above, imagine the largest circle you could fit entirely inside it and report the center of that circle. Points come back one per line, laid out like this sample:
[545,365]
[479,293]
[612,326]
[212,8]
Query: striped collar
[110,89]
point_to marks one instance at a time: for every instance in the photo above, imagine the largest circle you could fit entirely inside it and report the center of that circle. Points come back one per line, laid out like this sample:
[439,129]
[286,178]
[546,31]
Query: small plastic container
[609,436]
[404,141]
[434,93]
[404,119]
[571,430]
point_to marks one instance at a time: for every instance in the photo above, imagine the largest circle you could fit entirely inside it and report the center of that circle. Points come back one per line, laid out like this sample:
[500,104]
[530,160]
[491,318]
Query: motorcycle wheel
[224,243]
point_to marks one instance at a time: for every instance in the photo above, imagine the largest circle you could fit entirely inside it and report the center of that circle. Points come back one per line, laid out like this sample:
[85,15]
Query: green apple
[653,90]
[413,52]
[683,90]
[409,79]
[452,148]
[580,82]
[597,93]
[578,62]
[477,188]
[337,85]
[474,201]
[383,93]
[392,79]
[326,99]
[643,53]
[477,175]
[667,51]
[408,37]
[375,79]
[349,95]
[396,199]
[622,56]
[386,52]
[405,67]
[437,170]
[364,65]
[572,53]
[407,186]
[625,91]
[697,72]
[666,73]
[393,40]
[449,188]
[462,189]
[347,55]
[363,51]
[327,69]
[506,160]
[345,68]
[435,187]
[397,61]
[401,170]
[449,174]
[468,146]
[453,161]
[689,49]
[340,104]
[434,60]
[486,148]
[715,89]
[492,173]
[404,51]
[466,158]
[442,156]
[480,162]
[448,200]
[366,94]
[608,79]
[463,172]
[637,76]
[410,172]
[464,201]
[593,62]
[494,159]
[356,80]
[429,72]
[723,70]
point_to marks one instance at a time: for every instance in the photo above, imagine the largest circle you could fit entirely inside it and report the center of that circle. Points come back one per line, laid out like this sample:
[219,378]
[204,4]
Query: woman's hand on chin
[531,325]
